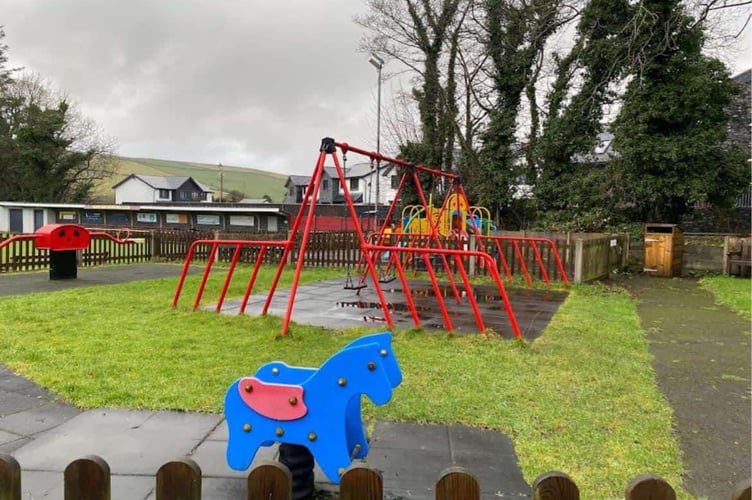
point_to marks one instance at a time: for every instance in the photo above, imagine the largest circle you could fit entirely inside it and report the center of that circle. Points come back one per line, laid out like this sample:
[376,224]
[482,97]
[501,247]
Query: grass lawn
[734,292]
[581,399]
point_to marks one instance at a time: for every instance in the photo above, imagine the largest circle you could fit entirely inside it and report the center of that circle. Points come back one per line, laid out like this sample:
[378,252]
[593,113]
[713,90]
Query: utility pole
[377,63]
[221,184]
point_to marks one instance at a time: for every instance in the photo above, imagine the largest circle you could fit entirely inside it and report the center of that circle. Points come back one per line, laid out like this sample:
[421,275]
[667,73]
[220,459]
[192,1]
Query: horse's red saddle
[275,401]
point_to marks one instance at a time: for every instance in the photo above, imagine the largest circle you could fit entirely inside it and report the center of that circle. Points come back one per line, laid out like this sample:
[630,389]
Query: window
[354,184]
[185,196]
[164,194]
[395,181]
[325,184]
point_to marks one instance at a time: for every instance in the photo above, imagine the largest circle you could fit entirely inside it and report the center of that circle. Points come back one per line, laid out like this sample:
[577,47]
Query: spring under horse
[311,413]
[282,373]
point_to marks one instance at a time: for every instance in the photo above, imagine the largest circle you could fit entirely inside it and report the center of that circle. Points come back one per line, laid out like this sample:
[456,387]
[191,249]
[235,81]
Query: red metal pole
[470,295]
[544,274]
[521,260]
[293,233]
[481,255]
[377,156]
[364,246]
[205,277]
[435,236]
[437,291]
[380,235]
[184,273]
[228,278]
[505,299]
[252,281]
[406,289]
[503,259]
[316,183]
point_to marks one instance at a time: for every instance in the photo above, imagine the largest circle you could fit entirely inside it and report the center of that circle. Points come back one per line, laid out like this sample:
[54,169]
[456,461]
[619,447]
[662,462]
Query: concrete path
[702,360]
[39,282]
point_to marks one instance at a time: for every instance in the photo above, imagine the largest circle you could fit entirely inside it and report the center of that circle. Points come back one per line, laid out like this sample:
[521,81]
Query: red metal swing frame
[369,251]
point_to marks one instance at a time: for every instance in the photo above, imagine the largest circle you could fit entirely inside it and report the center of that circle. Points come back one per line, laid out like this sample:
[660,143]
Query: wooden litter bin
[664,250]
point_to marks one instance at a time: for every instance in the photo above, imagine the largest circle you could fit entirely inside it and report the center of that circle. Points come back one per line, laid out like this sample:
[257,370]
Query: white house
[361,182]
[362,178]
[138,188]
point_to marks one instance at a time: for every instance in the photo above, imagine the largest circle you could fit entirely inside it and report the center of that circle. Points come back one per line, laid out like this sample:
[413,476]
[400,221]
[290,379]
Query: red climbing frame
[369,250]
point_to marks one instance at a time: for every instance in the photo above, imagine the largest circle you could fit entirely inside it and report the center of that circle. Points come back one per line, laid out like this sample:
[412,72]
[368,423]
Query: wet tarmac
[329,304]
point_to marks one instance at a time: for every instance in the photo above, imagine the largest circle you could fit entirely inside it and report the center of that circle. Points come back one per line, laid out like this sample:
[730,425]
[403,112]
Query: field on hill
[252,182]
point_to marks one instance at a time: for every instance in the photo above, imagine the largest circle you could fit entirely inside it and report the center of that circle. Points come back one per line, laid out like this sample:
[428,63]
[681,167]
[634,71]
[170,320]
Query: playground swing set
[383,248]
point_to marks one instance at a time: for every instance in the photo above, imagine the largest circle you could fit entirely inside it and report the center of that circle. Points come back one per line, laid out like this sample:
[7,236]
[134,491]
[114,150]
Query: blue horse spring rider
[314,407]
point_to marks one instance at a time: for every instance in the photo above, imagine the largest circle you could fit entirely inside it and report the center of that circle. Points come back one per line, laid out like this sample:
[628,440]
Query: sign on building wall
[242,220]
[96,217]
[176,219]
[146,217]
[117,218]
[207,220]
[66,215]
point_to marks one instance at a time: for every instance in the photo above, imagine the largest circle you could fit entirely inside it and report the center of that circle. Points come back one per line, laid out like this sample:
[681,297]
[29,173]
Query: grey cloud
[255,83]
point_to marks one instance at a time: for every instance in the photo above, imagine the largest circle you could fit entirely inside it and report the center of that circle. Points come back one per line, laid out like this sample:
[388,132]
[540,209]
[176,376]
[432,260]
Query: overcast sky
[249,83]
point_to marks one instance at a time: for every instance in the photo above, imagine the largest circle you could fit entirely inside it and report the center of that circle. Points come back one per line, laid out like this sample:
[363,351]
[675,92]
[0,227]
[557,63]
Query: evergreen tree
[673,123]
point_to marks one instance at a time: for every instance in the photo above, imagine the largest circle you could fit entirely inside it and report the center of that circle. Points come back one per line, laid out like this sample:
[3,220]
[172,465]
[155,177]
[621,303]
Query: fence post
[472,246]
[555,485]
[743,490]
[649,487]
[87,477]
[270,480]
[457,482]
[179,479]
[361,483]
[10,478]
[154,252]
[579,259]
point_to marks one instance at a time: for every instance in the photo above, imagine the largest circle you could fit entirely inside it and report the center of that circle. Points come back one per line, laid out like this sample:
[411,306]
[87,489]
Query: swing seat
[349,285]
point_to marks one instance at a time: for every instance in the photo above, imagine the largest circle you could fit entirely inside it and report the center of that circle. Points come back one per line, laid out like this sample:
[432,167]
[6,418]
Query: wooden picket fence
[585,257]
[89,478]
[22,255]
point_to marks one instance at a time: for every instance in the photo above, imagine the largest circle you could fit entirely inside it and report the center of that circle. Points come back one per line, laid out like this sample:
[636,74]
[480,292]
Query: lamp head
[376,61]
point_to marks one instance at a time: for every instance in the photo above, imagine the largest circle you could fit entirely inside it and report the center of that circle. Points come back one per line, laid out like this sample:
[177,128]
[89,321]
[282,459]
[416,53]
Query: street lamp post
[221,183]
[377,63]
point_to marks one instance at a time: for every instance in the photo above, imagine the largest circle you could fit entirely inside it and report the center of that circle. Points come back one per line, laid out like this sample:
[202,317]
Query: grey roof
[170,183]
[254,200]
[744,77]
[602,152]
[358,170]
[299,180]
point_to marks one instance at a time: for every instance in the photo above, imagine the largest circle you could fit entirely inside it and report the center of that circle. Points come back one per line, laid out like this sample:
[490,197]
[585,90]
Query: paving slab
[328,304]
[123,438]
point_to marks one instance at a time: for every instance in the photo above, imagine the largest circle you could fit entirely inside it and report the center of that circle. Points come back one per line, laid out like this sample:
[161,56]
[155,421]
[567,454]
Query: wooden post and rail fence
[89,478]
[585,257]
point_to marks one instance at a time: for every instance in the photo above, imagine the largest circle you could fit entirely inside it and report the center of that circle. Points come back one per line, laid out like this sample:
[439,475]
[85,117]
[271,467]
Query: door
[16,220]
[271,223]
[38,218]
[656,254]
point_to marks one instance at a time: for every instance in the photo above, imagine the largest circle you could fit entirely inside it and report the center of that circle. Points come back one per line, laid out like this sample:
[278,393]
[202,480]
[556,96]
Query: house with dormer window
[137,188]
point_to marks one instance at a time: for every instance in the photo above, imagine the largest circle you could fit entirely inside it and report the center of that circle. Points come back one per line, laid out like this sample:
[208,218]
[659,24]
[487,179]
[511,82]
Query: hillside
[252,182]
